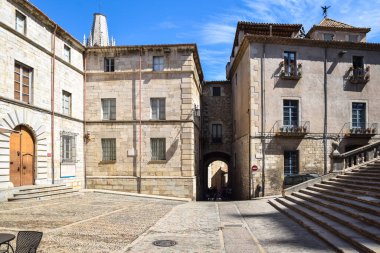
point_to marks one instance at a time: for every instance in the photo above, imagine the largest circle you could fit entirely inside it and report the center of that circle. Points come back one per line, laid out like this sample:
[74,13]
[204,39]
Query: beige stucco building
[41,99]
[294,95]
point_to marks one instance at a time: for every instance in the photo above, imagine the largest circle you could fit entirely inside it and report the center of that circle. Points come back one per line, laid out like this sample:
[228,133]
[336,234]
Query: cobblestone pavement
[96,222]
[91,222]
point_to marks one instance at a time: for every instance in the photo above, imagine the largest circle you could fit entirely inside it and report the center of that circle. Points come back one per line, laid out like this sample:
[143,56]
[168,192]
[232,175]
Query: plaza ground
[99,222]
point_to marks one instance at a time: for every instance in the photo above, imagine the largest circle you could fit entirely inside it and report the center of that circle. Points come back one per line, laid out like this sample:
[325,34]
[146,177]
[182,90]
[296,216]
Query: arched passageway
[215,177]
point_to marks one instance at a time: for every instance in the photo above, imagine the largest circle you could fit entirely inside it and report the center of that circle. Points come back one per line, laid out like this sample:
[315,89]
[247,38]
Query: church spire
[99,32]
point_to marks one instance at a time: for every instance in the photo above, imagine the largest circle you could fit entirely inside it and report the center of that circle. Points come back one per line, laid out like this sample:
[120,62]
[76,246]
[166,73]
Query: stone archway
[30,120]
[207,160]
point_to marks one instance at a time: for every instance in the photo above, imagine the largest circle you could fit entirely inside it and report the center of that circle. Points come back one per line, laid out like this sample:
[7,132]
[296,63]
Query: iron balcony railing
[359,75]
[291,128]
[351,129]
[292,72]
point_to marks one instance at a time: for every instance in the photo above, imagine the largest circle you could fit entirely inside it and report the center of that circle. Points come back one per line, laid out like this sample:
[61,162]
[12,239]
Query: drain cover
[164,243]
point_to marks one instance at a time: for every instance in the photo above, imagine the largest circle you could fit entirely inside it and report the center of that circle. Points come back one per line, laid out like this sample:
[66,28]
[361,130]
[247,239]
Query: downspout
[325,114]
[249,137]
[52,105]
[84,116]
[140,131]
[263,121]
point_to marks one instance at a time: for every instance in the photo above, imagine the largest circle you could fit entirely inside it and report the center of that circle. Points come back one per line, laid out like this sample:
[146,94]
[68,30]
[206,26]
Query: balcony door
[290,113]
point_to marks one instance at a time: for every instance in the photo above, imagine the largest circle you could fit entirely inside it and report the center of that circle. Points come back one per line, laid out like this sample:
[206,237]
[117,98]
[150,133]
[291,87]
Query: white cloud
[214,33]
[167,25]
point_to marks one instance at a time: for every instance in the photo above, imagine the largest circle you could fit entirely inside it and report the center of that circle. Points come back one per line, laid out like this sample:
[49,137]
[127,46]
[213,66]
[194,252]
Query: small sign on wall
[67,170]
[48,154]
[131,152]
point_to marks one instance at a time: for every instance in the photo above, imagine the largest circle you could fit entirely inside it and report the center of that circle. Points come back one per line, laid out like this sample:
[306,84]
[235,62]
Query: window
[158,108]
[66,103]
[216,91]
[236,79]
[68,148]
[353,38]
[158,146]
[290,112]
[216,133]
[358,65]
[290,63]
[158,63]
[328,36]
[108,149]
[66,53]
[109,108]
[358,115]
[291,162]
[20,23]
[23,83]
[109,64]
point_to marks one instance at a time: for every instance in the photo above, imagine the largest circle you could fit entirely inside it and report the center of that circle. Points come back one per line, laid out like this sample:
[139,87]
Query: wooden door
[22,157]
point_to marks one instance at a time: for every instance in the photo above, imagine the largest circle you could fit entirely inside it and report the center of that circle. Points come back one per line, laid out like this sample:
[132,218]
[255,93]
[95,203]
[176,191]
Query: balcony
[363,131]
[292,72]
[359,75]
[294,129]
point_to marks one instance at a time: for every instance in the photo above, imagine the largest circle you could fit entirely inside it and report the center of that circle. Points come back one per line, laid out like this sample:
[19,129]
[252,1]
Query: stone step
[359,242]
[366,174]
[325,235]
[346,220]
[35,187]
[372,167]
[43,195]
[353,194]
[359,178]
[327,195]
[353,186]
[41,190]
[376,173]
[356,182]
[369,219]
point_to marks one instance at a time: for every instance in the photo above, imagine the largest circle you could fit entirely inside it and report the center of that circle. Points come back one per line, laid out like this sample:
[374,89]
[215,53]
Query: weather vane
[325,8]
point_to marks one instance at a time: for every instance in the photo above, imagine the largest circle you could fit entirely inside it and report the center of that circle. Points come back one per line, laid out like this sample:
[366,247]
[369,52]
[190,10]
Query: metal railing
[353,158]
[359,75]
[292,128]
[290,71]
[350,129]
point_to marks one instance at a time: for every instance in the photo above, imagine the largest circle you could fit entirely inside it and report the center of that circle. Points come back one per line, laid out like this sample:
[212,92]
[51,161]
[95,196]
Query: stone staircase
[40,192]
[343,211]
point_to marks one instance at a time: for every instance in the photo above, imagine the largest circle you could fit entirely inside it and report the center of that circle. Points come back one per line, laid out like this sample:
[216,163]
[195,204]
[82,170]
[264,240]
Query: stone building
[296,94]
[142,120]
[41,99]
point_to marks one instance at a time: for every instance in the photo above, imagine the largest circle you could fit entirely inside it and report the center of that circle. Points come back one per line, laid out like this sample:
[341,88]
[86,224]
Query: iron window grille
[109,149]
[359,115]
[290,113]
[291,161]
[158,149]
[216,133]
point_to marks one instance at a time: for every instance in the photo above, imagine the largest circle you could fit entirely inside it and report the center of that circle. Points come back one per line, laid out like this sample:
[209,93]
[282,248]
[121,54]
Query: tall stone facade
[156,90]
[294,96]
[39,64]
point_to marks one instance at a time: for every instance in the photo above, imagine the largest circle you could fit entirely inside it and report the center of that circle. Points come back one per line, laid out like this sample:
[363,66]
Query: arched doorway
[215,175]
[22,157]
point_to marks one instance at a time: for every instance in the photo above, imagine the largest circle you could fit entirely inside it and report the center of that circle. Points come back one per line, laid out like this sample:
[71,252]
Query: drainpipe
[263,121]
[140,131]
[84,116]
[52,104]
[325,114]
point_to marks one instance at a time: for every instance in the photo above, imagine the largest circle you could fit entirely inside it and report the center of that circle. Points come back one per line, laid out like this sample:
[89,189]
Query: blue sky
[209,23]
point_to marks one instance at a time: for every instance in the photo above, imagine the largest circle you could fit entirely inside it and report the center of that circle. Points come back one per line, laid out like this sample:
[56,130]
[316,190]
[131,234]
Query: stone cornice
[41,48]
[37,108]
[143,48]
[50,24]
[298,42]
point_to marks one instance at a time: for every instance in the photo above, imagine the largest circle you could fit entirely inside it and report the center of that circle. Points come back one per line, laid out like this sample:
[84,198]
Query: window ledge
[68,163]
[107,162]
[157,161]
